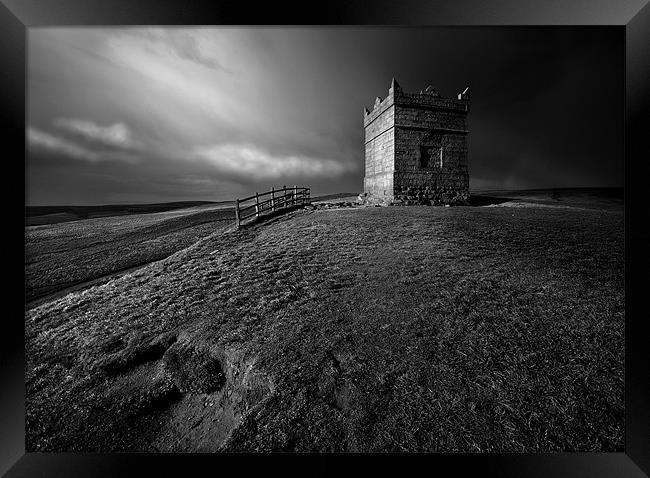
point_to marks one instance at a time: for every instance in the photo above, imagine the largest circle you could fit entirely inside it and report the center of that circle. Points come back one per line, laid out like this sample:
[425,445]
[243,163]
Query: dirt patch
[219,389]
[193,369]
[137,352]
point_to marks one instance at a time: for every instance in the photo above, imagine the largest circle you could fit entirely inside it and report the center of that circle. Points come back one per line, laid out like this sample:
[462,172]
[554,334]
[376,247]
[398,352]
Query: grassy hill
[354,329]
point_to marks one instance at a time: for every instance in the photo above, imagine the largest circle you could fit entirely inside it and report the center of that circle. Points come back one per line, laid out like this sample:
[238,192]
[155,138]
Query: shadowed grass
[380,329]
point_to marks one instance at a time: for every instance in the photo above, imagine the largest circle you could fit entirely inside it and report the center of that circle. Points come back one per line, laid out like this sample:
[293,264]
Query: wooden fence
[255,206]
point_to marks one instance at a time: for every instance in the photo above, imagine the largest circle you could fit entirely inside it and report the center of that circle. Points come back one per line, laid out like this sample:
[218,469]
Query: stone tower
[416,148]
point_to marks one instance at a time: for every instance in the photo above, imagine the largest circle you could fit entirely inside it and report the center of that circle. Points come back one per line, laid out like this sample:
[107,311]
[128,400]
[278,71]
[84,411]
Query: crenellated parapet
[427,98]
[378,109]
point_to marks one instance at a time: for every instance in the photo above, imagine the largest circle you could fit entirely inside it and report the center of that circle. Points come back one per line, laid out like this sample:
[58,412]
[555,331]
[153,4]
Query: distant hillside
[333,196]
[587,198]
[38,215]
[72,253]
[558,192]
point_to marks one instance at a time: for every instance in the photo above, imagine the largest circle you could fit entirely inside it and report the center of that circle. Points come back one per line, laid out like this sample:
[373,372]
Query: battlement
[428,98]
[378,108]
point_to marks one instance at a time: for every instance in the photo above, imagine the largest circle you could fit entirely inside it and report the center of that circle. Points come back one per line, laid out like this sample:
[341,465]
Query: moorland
[497,327]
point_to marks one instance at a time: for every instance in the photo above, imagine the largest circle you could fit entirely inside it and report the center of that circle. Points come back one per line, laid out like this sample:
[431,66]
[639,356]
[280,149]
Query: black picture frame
[633,16]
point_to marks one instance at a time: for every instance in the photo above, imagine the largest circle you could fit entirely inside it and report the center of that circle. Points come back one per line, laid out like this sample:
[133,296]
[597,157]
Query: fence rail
[285,198]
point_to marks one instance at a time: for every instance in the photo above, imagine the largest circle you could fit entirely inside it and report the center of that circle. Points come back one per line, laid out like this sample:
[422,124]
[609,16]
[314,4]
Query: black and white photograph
[325,238]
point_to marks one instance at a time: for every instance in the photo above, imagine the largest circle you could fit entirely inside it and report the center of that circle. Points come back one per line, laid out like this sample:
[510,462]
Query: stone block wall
[380,150]
[431,184]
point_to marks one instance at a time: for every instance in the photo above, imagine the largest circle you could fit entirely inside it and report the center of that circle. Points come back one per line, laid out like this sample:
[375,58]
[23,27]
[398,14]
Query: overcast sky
[169,114]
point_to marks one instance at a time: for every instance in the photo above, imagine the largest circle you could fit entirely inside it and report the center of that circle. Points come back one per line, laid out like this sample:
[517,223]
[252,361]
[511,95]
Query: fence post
[237,212]
[273,199]
[295,194]
[284,195]
[257,205]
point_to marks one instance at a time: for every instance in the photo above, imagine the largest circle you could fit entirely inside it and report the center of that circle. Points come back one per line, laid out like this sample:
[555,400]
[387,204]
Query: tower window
[431,157]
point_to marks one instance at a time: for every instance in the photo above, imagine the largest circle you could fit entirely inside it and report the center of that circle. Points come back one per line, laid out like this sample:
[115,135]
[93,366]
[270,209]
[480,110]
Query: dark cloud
[211,113]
